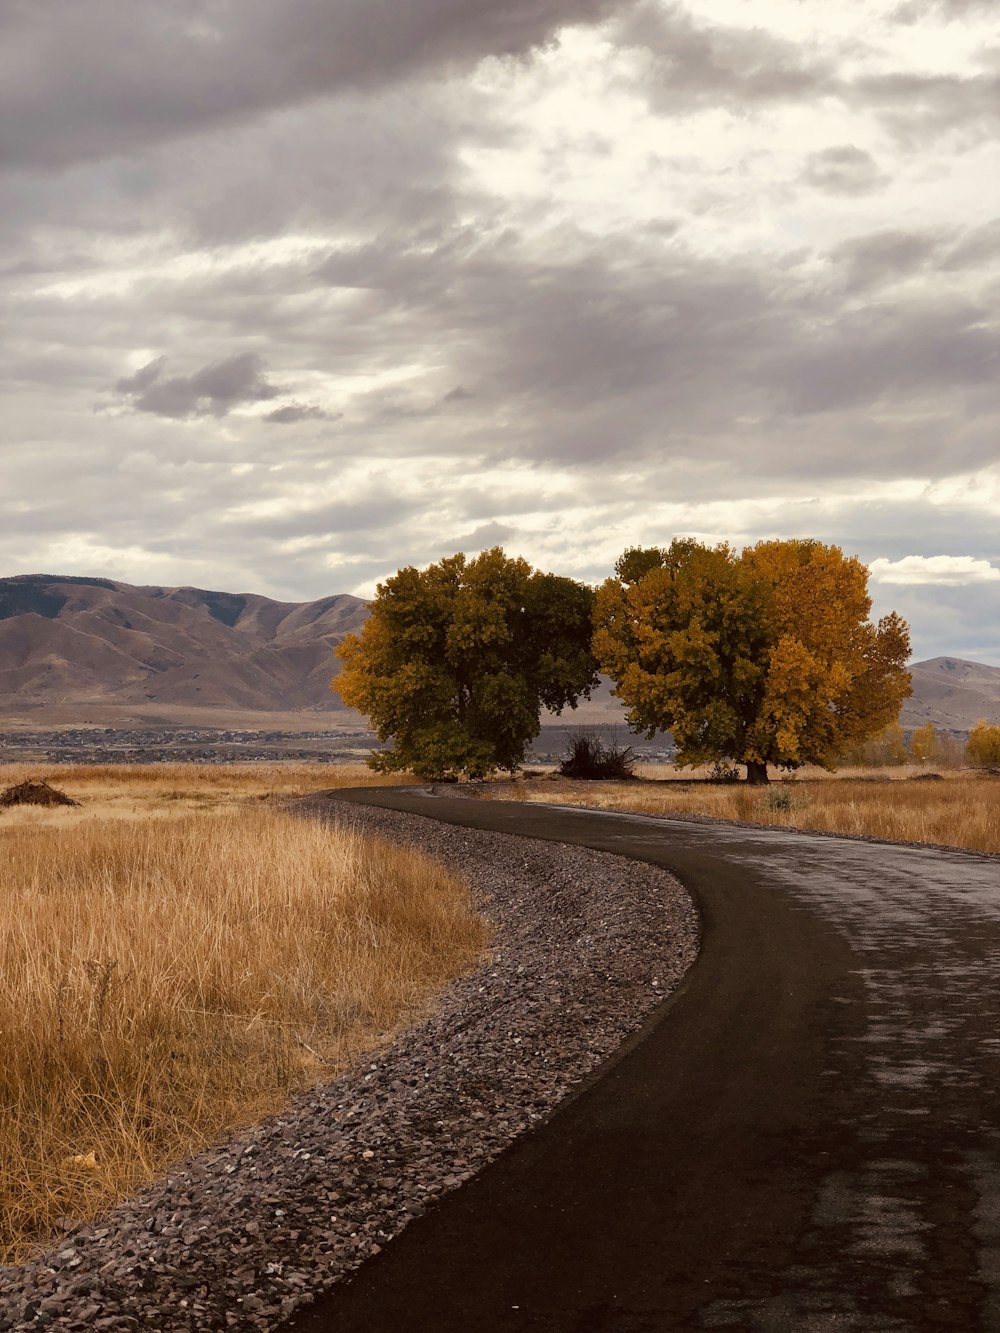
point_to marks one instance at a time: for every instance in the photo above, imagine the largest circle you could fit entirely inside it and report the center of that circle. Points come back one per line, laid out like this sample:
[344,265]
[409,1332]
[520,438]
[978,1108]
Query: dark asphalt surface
[806,1139]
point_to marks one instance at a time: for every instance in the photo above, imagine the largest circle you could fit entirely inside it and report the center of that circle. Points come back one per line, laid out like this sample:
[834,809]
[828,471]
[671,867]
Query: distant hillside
[953,693]
[76,641]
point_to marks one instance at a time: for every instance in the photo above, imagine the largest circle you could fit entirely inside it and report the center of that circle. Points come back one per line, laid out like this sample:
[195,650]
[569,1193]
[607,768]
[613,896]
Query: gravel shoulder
[586,946]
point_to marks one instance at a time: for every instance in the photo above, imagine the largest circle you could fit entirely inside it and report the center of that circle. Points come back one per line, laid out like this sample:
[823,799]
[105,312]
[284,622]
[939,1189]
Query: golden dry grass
[157,791]
[165,981]
[963,810]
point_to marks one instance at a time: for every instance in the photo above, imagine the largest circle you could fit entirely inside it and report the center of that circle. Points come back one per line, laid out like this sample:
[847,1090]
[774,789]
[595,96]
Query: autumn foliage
[889,748]
[763,657]
[456,661]
[983,747]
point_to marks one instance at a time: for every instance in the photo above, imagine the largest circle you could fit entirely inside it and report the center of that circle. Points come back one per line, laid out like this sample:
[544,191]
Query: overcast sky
[298,292]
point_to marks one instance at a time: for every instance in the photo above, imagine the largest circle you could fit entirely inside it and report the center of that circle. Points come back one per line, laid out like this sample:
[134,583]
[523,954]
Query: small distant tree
[456,662]
[764,657]
[924,745]
[982,749]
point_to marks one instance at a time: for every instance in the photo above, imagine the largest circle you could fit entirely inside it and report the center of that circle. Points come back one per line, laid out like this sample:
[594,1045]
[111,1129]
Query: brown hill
[953,693]
[96,644]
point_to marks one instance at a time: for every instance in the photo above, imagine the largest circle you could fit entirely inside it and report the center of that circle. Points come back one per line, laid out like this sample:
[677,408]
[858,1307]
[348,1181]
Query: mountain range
[86,649]
[92,650]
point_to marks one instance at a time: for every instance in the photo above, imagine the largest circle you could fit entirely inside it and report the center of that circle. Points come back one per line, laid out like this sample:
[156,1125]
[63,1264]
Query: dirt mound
[35,793]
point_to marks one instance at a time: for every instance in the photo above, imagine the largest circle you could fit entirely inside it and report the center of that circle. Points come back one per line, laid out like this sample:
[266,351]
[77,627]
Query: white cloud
[943,570]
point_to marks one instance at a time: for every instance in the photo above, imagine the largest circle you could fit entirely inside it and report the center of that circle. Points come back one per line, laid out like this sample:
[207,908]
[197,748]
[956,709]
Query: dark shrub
[35,792]
[588,758]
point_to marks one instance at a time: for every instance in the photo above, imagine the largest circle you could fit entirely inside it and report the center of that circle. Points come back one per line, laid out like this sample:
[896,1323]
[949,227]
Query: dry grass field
[962,809]
[157,791]
[177,957]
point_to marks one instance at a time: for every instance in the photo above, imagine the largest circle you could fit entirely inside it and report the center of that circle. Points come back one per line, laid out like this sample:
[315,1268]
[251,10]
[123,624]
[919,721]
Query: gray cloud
[696,64]
[292,413]
[591,354]
[902,353]
[974,248]
[913,11]
[843,169]
[367,164]
[86,78]
[915,105]
[885,256]
[693,65]
[481,538]
[374,512]
[212,391]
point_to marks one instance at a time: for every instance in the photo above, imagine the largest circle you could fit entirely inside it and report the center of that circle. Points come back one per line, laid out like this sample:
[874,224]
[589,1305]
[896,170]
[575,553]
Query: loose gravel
[585,946]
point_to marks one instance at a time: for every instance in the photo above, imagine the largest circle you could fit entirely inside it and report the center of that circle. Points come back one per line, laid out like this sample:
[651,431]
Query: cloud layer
[302,293]
[136,73]
[949,570]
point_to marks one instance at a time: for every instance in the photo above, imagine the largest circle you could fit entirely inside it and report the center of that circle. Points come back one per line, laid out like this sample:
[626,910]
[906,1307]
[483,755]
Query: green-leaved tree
[456,662]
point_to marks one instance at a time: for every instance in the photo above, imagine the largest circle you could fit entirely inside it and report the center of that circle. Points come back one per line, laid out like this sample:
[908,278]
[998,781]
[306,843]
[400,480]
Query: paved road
[808,1139]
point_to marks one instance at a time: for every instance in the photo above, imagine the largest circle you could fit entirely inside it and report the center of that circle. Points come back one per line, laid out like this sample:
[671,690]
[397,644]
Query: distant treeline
[893,746]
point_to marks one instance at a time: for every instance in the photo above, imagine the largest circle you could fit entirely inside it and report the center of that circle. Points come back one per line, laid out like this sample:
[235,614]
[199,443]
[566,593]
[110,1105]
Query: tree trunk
[757,773]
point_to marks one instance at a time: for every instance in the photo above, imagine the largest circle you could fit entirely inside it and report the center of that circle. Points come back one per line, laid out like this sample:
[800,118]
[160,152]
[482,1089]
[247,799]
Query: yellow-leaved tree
[924,744]
[767,656]
[983,747]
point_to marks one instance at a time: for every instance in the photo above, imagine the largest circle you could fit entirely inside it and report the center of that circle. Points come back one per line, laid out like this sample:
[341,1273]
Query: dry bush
[963,810]
[589,759]
[162,983]
[34,792]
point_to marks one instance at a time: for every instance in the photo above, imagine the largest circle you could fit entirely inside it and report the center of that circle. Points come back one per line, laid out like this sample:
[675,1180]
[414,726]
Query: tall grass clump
[162,984]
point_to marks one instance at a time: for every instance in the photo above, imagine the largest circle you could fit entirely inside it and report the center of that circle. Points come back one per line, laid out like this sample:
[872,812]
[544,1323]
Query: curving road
[808,1138]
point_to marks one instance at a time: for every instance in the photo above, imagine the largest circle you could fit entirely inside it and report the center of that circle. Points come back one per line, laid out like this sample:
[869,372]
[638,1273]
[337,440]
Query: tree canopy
[763,657]
[924,743]
[983,748]
[456,662]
